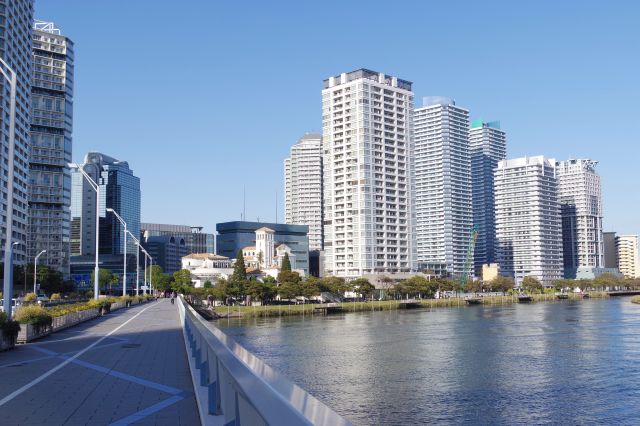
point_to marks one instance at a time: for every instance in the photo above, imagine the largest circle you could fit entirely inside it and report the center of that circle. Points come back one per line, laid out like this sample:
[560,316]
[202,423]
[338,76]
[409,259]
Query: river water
[543,363]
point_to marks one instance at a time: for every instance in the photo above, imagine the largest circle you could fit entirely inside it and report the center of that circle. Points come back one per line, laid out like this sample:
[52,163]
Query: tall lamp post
[124,268]
[96,187]
[35,272]
[146,257]
[137,262]
[10,76]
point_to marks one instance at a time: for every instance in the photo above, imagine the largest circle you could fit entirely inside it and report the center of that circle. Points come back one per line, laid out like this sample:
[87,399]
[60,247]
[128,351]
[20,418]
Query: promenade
[129,367]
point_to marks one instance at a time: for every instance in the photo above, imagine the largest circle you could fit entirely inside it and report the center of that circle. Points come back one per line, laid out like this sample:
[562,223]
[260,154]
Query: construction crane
[473,237]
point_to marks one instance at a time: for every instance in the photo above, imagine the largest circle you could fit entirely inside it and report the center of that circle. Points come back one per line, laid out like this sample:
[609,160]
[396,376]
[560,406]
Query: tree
[239,269]
[260,258]
[606,280]
[286,263]
[288,276]
[310,287]
[163,282]
[207,284]
[502,284]
[363,287]
[531,284]
[289,290]
[335,285]
[105,277]
[182,278]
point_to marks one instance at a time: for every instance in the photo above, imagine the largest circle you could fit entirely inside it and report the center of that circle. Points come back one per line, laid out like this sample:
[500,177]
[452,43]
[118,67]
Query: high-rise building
[16,17]
[488,145]
[119,190]
[195,240]
[580,196]
[628,255]
[528,225]
[303,187]
[167,251]
[50,151]
[610,251]
[367,146]
[443,205]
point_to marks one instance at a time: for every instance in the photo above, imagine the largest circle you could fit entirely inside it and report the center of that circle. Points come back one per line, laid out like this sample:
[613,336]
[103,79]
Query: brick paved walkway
[138,374]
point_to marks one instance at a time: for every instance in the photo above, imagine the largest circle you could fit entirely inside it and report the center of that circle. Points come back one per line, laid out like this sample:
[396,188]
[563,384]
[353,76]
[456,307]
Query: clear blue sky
[203,97]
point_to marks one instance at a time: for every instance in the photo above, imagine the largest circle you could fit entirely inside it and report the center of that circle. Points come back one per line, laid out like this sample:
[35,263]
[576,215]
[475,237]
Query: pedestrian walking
[210,300]
[173,296]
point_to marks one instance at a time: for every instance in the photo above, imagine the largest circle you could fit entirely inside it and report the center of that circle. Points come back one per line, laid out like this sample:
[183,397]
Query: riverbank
[635,299]
[384,305]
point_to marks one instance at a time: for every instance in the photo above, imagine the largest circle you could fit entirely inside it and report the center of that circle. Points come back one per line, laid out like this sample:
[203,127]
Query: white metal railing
[241,389]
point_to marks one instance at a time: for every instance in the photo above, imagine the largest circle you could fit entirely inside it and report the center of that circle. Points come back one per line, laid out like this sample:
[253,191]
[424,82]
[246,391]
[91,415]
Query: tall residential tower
[51,126]
[367,148]
[628,255]
[488,146]
[303,187]
[442,186]
[528,225]
[580,196]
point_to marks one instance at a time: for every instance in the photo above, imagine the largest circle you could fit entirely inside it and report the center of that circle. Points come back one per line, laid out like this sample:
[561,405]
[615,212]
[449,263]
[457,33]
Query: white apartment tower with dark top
[528,225]
[443,205]
[367,148]
[580,196]
[303,187]
[488,145]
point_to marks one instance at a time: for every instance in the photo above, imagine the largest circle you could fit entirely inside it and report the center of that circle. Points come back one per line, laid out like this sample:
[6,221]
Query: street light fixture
[96,187]
[35,272]
[10,75]
[137,262]
[147,256]
[124,274]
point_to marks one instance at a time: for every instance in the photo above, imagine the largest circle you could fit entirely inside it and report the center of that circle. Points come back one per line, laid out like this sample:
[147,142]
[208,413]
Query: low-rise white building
[207,267]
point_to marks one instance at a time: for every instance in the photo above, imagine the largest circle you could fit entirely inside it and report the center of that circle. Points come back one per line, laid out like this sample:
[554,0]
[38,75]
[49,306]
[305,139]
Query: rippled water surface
[544,363]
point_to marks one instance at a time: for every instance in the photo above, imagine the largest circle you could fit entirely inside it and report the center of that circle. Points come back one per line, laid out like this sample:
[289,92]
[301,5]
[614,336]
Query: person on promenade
[173,296]
[210,300]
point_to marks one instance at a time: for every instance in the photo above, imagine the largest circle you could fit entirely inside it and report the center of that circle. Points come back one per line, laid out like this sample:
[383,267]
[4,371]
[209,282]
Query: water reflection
[568,362]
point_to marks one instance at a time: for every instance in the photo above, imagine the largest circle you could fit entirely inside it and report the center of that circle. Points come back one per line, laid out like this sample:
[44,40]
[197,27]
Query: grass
[384,305]
[635,299]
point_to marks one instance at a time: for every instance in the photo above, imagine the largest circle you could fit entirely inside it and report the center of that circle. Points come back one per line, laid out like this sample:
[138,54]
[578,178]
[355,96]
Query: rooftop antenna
[244,202]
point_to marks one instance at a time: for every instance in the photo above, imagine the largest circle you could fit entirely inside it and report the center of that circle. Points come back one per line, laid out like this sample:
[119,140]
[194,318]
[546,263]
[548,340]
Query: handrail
[241,387]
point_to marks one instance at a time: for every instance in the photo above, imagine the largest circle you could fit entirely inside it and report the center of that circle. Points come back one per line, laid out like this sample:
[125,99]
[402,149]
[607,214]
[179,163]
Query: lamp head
[15,243]
[73,166]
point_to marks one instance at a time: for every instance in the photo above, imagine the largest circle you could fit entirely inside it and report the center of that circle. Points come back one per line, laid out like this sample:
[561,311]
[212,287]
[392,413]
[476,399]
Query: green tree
[182,278]
[502,284]
[289,290]
[260,258]
[607,280]
[335,285]
[286,263]
[105,277]
[310,287]
[363,287]
[239,268]
[532,285]
[207,284]
[288,276]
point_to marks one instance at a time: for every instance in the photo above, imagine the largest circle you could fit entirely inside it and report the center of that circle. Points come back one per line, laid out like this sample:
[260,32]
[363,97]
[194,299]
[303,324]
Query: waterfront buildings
[303,187]
[443,205]
[610,251]
[207,267]
[241,235]
[488,146]
[196,241]
[580,197]
[50,148]
[528,225]
[16,17]
[628,255]
[367,146]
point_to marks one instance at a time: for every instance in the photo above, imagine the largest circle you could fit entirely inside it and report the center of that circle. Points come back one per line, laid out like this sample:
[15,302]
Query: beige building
[490,272]
[628,256]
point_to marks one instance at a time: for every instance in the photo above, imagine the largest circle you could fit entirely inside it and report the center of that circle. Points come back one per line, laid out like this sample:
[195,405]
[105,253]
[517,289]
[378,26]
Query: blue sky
[205,97]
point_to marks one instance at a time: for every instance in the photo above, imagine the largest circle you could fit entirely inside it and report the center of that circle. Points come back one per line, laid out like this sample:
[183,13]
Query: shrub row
[10,329]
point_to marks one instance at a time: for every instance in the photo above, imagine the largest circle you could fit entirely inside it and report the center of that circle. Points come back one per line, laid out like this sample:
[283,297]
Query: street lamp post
[146,257]
[124,268]
[35,272]
[10,76]
[96,187]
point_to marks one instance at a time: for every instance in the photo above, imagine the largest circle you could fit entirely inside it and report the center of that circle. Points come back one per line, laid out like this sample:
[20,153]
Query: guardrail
[241,389]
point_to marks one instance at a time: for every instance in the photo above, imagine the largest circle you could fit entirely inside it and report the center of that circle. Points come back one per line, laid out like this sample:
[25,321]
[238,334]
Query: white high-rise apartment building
[580,196]
[367,147]
[528,224]
[628,255]
[443,186]
[303,187]
[488,145]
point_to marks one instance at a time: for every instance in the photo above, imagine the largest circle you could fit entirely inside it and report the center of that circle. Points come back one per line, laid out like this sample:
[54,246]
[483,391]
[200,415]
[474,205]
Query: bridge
[154,363]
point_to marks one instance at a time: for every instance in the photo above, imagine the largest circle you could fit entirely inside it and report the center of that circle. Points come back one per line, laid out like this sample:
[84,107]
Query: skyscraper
[195,240]
[528,225]
[119,190]
[443,186]
[628,255]
[51,126]
[367,143]
[303,187]
[16,17]
[488,145]
[580,196]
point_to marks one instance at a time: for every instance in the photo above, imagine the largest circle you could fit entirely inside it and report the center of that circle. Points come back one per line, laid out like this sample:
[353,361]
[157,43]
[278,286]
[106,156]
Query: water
[543,363]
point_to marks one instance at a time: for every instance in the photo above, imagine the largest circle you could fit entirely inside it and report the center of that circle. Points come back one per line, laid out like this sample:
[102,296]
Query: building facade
[610,251]
[528,225]
[119,190]
[628,255]
[367,141]
[303,187]
[488,145]
[580,196]
[16,18]
[240,235]
[167,251]
[50,150]
[195,240]
[442,186]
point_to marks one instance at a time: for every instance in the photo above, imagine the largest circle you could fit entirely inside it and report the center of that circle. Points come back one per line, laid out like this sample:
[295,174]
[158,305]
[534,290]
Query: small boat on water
[585,295]
[562,296]
[473,301]
[523,298]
